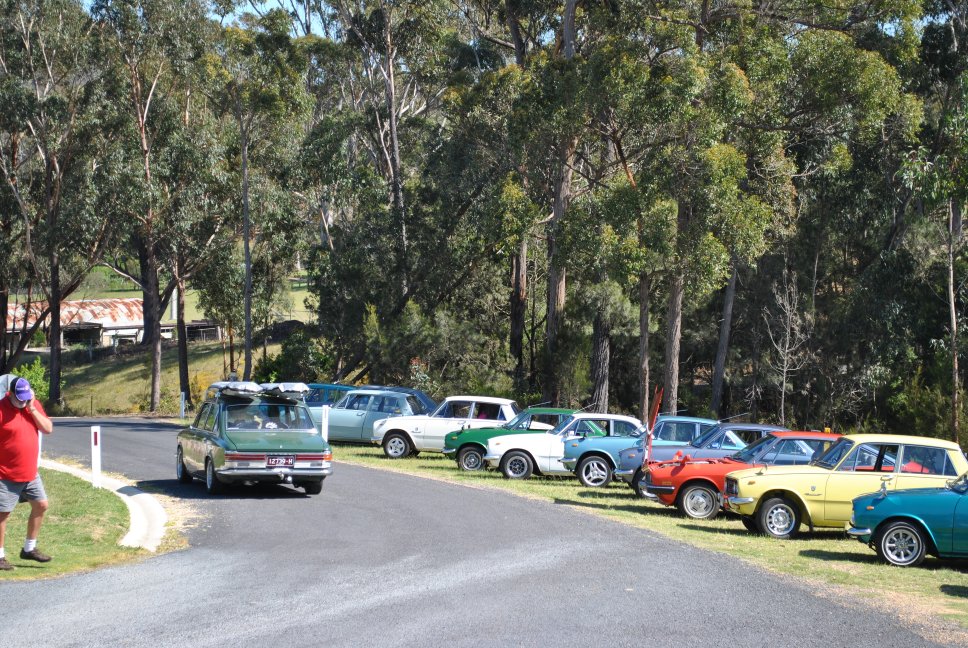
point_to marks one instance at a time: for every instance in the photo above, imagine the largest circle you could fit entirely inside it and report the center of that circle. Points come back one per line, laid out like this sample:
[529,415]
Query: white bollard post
[181,405]
[324,423]
[96,456]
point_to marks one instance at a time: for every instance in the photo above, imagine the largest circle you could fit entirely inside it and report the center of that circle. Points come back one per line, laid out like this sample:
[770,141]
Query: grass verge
[933,599]
[81,530]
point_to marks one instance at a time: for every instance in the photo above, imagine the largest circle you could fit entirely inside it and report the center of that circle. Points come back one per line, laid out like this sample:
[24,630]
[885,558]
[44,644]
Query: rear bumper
[275,474]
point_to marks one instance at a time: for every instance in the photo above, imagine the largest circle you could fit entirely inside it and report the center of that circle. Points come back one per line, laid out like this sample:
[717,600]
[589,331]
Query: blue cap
[21,389]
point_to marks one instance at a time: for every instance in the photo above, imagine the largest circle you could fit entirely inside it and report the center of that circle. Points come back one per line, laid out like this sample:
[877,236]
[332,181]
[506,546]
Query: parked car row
[904,496]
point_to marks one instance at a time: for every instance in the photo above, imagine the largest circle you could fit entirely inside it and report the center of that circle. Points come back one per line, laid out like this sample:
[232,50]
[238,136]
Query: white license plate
[280,460]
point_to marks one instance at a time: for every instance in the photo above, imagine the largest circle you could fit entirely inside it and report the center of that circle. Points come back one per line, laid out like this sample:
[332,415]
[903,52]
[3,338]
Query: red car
[695,487]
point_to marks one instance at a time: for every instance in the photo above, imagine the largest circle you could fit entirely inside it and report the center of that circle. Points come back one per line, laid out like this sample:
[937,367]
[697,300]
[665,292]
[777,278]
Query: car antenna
[730,418]
[584,408]
[540,404]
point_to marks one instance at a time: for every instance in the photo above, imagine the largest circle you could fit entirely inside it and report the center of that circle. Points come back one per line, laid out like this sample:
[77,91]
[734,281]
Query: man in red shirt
[22,418]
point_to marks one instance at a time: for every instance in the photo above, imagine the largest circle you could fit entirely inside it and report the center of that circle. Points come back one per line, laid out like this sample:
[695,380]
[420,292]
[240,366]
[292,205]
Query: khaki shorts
[12,493]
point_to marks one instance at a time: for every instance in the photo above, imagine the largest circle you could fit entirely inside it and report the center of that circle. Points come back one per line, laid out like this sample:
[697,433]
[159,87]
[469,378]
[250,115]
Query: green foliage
[36,375]
[303,358]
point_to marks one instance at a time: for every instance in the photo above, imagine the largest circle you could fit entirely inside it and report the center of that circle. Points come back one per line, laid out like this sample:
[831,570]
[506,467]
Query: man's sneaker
[5,565]
[34,555]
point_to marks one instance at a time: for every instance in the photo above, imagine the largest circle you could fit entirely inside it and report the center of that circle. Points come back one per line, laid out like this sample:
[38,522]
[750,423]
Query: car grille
[732,487]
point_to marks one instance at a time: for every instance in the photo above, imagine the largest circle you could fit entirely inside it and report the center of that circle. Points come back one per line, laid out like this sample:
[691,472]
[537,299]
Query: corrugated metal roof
[107,312]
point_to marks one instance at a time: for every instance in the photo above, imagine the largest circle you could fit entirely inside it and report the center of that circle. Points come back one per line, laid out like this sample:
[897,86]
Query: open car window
[871,457]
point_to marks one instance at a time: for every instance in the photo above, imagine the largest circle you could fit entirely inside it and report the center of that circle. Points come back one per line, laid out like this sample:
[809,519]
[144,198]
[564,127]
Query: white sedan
[405,435]
[520,455]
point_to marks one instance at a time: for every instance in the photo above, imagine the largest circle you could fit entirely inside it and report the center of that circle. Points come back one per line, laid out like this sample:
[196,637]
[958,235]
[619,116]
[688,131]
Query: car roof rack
[234,388]
[289,390]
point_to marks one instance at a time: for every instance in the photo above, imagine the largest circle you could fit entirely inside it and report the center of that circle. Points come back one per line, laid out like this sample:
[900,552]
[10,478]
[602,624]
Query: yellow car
[776,499]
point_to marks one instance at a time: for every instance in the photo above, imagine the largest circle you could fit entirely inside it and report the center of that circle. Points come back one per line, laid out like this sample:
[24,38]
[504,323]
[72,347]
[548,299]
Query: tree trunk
[645,288]
[54,367]
[519,303]
[719,367]
[246,229]
[551,390]
[556,276]
[954,236]
[396,173]
[4,305]
[151,310]
[601,335]
[673,340]
[674,323]
[183,383]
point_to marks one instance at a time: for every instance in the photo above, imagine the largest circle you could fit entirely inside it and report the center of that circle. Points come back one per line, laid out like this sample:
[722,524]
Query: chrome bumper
[652,488]
[282,474]
[739,501]
[449,451]
[622,474]
[569,463]
[855,532]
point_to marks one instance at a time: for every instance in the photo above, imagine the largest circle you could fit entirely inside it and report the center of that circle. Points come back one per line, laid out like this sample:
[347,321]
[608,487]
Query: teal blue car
[903,526]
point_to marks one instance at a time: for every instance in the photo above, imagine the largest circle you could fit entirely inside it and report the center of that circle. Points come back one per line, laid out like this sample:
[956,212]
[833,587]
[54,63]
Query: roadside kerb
[148,517]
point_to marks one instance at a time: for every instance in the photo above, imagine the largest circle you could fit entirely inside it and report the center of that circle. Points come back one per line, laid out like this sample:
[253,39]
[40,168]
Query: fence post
[96,456]
[181,405]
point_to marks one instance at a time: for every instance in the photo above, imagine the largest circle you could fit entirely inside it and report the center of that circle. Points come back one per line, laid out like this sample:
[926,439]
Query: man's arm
[44,424]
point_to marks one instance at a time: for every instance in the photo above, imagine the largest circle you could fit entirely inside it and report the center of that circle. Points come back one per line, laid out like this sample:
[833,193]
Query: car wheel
[313,487]
[638,483]
[397,446]
[181,472]
[901,543]
[470,458]
[779,517]
[698,502]
[751,525]
[594,472]
[517,465]
[212,483]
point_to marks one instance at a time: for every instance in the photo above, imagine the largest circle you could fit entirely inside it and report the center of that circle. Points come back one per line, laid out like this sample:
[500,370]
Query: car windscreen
[701,441]
[834,454]
[268,416]
[747,454]
[519,422]
[562,425]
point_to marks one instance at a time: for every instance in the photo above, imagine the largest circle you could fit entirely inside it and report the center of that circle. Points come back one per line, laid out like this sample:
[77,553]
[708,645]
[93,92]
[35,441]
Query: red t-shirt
[19,442]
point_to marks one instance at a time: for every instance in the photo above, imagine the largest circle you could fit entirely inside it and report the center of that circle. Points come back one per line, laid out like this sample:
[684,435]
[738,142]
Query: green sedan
[469,446]
[245,432]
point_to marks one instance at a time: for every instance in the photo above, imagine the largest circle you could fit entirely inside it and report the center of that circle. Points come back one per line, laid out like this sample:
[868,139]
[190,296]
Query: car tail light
[244,456]
[314,456]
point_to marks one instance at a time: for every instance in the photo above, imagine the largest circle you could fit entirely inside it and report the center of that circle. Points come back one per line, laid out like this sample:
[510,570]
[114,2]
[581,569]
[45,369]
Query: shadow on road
[196,490]
[603,507]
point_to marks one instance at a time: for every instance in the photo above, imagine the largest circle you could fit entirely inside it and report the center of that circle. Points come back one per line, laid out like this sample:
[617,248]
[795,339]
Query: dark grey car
[720,441]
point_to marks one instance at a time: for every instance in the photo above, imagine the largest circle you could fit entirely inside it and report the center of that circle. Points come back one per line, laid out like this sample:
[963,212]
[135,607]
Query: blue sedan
[903,526]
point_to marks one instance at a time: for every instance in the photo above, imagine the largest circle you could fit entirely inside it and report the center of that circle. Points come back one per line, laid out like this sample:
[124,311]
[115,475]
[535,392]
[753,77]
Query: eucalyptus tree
[55,132]
[256,75]
[154,46]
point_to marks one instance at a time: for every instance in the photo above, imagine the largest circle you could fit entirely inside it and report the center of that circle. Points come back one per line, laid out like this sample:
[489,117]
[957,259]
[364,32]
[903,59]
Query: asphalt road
[382,559]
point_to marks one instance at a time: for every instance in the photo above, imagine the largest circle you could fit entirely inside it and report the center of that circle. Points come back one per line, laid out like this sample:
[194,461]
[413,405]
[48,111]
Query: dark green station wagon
[246,433]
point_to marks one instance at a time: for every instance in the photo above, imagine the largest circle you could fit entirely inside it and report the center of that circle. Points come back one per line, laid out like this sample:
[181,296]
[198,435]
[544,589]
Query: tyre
[751,525]
[698,501]
[517,465]
[470,458]
[212,483]
[638,483]
[779,517]
[901,543]
[181,472]
[594,471]
[397,446]
[313,487]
